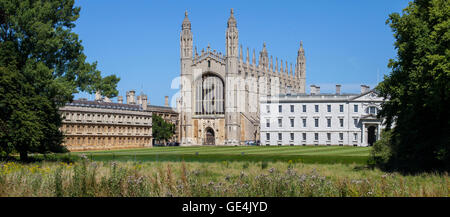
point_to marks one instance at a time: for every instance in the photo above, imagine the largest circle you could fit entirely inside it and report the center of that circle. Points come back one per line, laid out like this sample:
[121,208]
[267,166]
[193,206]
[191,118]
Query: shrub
[381,151]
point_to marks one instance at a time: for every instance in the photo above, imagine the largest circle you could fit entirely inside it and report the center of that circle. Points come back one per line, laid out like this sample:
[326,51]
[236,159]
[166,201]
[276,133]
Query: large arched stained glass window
[209,95]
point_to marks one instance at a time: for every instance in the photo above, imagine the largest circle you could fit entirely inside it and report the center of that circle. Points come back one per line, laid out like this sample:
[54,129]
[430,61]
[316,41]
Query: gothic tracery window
[209,95]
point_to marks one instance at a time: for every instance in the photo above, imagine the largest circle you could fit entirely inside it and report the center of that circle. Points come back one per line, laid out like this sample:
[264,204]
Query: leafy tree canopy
[418,88]
[161,130]
[41,66]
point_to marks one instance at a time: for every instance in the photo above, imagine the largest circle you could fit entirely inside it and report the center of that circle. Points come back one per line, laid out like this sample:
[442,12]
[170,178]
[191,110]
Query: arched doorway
[210,139]
[371,135]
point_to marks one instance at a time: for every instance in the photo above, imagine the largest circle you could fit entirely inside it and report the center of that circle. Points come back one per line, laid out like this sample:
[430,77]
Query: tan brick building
[92,125]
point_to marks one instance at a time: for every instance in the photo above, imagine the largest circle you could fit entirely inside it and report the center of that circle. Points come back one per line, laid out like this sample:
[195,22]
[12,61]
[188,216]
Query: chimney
[120,99]
[166,101]
[315,90]
[364,89]
[130,97]
[144,101]
[338,89]
[139,99]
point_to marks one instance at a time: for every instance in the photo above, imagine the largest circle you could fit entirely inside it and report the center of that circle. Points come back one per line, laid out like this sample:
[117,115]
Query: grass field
[304,154]
[240,171]
[220,179]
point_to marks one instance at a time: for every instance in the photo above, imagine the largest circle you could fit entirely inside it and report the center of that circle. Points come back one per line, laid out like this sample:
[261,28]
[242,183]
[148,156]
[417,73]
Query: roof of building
[156,108]
[104,105]
[319,96]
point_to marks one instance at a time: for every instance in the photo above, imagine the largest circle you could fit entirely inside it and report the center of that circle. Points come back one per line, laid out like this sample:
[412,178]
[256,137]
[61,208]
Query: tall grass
[87,178]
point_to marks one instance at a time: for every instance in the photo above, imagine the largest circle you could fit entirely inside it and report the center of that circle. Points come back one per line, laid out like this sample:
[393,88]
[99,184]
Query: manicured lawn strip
[285,150]
[340,152]
[323,159]
[307,154]
[234,150]
[293,150]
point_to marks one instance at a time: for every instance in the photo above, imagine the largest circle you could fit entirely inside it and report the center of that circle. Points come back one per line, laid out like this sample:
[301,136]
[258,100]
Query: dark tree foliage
[418,88]
[41,66]
[161,130]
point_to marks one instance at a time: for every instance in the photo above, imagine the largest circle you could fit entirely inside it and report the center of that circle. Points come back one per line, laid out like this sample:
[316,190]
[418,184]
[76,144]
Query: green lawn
[305,154]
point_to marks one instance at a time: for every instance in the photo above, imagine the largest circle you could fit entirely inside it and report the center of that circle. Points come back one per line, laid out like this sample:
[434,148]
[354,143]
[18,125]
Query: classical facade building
[92,125]
[219,101]
[102,124]
[321,119]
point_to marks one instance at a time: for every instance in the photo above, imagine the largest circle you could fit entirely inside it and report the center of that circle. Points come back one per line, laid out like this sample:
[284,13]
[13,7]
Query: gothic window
[209,95]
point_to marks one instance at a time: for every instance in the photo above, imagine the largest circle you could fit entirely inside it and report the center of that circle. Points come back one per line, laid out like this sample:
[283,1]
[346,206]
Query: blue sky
[346,42]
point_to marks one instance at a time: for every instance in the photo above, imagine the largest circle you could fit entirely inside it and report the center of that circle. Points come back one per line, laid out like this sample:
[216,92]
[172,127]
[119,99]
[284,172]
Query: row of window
[104,129]
[105,140]
[372,110]
[316,136]
[98,117]
[316,122]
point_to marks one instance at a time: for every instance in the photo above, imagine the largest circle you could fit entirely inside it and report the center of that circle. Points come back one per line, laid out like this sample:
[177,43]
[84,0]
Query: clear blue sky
[346,42]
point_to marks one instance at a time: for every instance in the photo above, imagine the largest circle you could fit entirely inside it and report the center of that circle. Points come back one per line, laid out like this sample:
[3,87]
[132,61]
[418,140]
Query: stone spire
[301,61]
[281,66]
[248,56]
[186,23]
[300,68]
[271,63]
[276,64]
[254,57]
[264,57]
[290,71]
[232,20]
[232,37]
[186,39]
[240,54]
[287,68]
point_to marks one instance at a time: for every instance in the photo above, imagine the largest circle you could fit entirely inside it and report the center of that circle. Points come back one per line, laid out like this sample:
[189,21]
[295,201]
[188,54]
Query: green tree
[161,130]
[41,66]
[418,88]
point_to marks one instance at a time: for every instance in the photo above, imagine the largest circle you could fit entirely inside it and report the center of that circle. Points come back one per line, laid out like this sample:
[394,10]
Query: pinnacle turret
[186,23]
[232,20]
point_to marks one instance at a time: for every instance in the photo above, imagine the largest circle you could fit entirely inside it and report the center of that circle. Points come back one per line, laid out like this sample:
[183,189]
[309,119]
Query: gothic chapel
[219,98]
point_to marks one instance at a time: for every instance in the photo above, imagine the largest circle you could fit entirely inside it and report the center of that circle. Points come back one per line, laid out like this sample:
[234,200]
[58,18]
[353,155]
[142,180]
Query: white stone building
[321,119]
